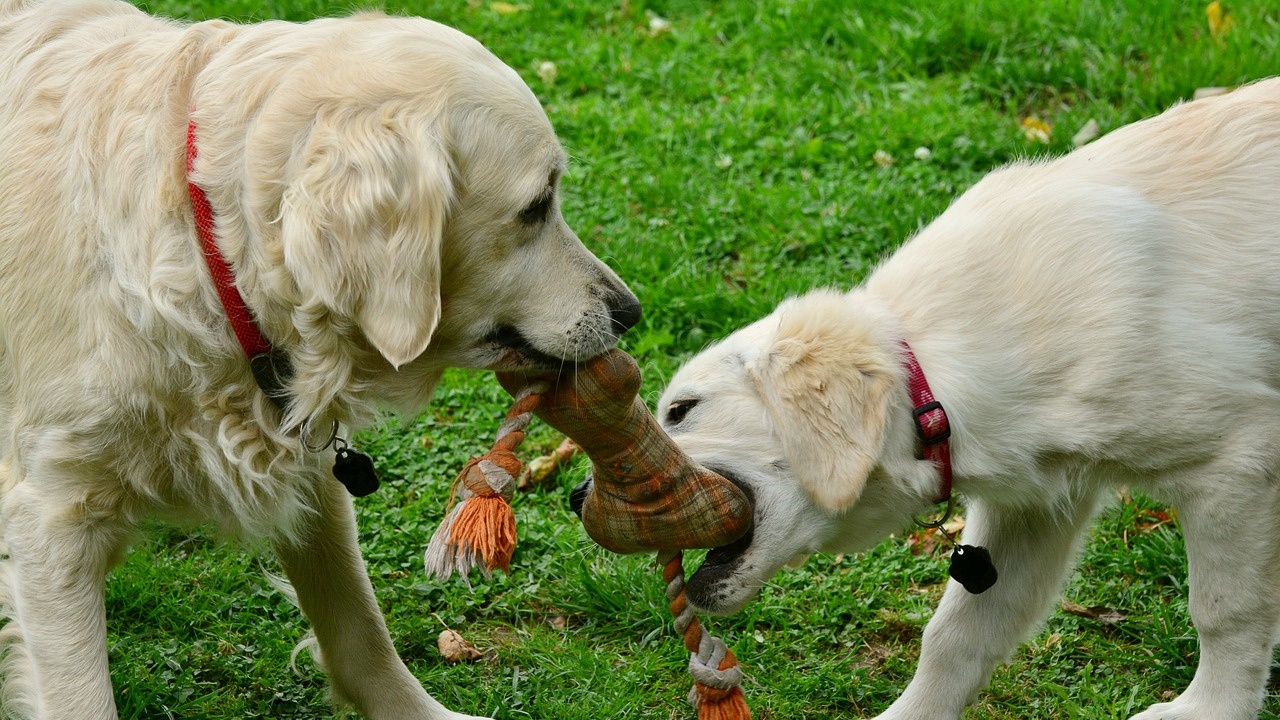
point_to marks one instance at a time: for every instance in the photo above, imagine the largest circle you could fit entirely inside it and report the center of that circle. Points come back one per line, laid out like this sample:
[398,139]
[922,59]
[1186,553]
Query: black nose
[625,314]
[579,496]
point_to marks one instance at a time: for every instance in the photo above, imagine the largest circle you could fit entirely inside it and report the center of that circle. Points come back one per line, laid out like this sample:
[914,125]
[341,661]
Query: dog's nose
[579,496]
[625,314]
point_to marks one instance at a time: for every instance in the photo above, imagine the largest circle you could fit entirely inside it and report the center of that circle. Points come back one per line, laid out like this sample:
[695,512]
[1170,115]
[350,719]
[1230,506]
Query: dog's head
[799,408]
[404,188]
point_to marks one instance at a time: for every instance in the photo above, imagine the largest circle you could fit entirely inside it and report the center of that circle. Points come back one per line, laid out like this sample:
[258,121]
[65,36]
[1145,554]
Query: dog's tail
[308,643]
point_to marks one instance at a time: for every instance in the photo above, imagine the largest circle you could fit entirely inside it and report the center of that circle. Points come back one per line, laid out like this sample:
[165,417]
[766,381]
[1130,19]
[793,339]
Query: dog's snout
[578,496]
[625,313]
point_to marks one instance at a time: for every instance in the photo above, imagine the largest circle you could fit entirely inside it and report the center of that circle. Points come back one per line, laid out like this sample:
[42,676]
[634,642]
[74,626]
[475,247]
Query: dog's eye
[537,210]
[678,410]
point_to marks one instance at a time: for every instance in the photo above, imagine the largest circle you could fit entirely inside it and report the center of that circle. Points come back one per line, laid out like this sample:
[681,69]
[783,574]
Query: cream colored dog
[1109,318]
[385,191]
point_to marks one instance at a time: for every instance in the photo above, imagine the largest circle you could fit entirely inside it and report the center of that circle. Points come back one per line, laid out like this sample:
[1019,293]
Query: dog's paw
[1182,710]
[1167,711]
[1161,711]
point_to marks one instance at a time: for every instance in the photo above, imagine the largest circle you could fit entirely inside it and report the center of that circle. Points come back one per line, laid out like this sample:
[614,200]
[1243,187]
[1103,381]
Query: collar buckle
[931,430]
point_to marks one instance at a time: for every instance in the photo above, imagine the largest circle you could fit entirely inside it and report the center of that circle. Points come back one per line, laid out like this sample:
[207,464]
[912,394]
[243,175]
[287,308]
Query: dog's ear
[826,385]
[362,227]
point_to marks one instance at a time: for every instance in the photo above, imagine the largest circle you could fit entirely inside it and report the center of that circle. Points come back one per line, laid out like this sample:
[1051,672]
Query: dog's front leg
[59,554]
[1033,550]
[328,573]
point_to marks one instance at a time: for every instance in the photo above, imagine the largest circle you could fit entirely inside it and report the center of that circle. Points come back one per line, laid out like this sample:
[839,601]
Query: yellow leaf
[506,8]
[1036,129]
[1220,21]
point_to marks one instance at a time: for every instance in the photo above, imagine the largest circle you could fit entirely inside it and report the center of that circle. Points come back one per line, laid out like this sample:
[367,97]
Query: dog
[382,193]
[1108,318]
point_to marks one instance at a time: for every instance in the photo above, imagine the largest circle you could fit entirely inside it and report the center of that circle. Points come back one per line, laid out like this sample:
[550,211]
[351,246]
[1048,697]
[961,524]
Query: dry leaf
[1149,520]
[506,8]
[1036,129]
[926,541]
[1087,133]
[455,648]
[1205,92]
[1104,615]
[541,468]
[1220,21]
[658,25]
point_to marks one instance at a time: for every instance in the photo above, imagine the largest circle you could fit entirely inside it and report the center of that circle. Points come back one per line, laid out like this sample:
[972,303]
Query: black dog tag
[971,567]
[355,471]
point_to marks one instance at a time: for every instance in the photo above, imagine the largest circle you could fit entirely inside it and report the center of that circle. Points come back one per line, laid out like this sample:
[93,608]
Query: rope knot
[717,688]
[480,529]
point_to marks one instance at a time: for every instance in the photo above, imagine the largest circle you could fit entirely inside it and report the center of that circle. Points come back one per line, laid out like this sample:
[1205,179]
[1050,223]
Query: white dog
[1108,318]
[383,198]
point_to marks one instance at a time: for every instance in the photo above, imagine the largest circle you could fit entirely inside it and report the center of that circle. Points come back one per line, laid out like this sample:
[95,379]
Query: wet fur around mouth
[509,337]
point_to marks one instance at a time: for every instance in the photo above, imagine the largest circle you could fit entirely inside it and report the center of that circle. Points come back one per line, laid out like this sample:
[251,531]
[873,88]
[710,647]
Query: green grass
[720,167]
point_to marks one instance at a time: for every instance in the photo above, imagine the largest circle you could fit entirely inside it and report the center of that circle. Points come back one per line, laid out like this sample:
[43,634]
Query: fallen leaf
[506,8]
[455,648]
[1149,520]
[1205,92]
[1220,21]
[541,468]
[1036,129]
[1104,615]
[1087,133]
[658,26]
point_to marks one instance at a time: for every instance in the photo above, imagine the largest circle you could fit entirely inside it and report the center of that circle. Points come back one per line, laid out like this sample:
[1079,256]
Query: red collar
[224,280]
[270,369]
[930,420]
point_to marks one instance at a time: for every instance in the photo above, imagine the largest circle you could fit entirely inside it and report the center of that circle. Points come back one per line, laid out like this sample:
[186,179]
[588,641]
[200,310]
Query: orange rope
[717,688]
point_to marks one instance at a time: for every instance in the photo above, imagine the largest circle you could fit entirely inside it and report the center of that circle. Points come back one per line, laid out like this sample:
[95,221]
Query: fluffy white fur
[1108,318]
[385,190]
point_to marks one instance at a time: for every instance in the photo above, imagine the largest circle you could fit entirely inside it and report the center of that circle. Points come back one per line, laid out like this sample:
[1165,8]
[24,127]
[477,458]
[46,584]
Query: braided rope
[717,688]
[498,470]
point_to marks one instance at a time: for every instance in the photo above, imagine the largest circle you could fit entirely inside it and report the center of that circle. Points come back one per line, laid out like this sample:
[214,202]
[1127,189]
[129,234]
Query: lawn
[725,155]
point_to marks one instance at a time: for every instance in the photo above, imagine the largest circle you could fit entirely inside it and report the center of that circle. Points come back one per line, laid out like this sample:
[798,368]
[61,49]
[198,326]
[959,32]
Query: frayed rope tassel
[717,688]
[479,530]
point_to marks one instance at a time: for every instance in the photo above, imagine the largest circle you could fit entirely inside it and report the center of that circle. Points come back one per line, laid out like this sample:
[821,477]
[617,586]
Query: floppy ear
[362,227]
[826,385]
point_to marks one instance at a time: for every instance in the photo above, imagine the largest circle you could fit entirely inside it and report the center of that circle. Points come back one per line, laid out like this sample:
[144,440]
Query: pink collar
[931,421]
[270,368]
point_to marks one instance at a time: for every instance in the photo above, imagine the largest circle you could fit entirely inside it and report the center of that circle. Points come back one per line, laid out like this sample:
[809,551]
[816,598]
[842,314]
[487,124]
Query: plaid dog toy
[646,494]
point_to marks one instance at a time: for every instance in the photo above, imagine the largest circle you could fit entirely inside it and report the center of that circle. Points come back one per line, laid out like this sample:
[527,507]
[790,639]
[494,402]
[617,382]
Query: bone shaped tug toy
[646,493]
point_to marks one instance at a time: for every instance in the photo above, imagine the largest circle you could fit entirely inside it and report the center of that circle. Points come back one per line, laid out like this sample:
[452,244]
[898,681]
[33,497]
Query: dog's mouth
[518,353]
[704,587]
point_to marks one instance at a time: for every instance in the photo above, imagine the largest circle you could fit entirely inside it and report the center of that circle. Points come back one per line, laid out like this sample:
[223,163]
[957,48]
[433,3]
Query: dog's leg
[59,554]
[1033,550]
[1234,564]
[333,588]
